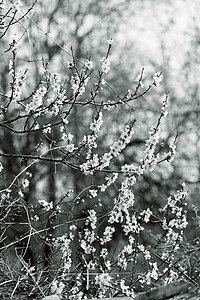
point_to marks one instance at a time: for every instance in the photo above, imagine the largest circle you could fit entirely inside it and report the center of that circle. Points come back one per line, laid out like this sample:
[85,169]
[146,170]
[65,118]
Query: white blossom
[105,67]
[157,77]
[89,64]
[110,41]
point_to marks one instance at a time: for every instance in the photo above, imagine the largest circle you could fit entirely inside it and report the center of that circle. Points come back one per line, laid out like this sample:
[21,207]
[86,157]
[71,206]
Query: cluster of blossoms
[171,153]
[146,214]
[105,67]
[176,206]
[151,158]
[171,275]
[145,252]
[90,142]
[76,291]
[132,224]
[96,125]
[117,147]
[67,138]
[164,111]
[173,226]
[93,193]
[126,197]
[106,265]
[37,100]
[103,282]
[56,100]
[93,161]
[79,83]
[87,239]
[128,169]
[64,244]
[89,166]
[92,218]
[126,290]
[177,219]
[108,182]
[152,274]
[129,93]
[16,4]
[139,80]
[127,251]
[88,236]
[18,82]
[88,64]
[107,235]
[124,202]
[47,129]
[45,204]
[103,279]
[157,77]
[121,213]
[57,287]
